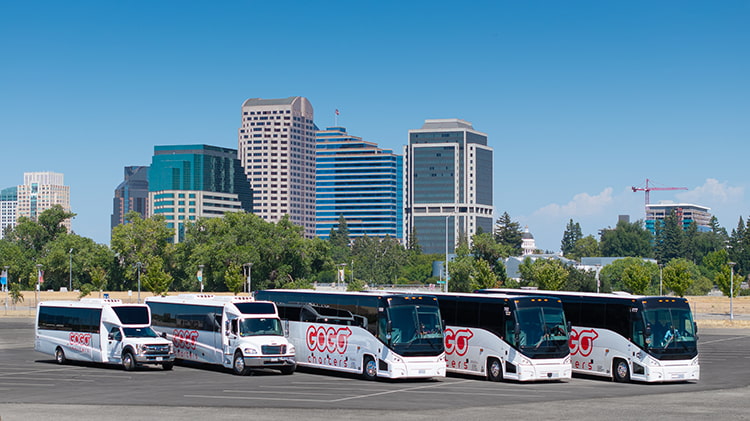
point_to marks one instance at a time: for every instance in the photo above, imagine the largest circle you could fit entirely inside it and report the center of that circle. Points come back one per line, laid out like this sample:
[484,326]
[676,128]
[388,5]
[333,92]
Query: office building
[187,182]
[8,206]
[131,195]
[41,191]
[448,184]
[686,214]
[360,181]
[276,145]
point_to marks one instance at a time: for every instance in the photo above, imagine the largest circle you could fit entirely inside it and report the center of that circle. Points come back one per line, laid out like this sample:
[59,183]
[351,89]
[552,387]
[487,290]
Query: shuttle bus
[100,330]
[629,337]
[235,332]
[505,337]
[385,335]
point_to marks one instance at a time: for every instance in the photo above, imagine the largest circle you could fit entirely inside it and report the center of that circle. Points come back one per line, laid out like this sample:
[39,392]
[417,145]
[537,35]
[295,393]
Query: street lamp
[731,290]
[341,274]
[598,280]
[38,281]
[660,278]
[7,287]
[445,267]
[249,267]
[138,266]
[70,273]
[200,275]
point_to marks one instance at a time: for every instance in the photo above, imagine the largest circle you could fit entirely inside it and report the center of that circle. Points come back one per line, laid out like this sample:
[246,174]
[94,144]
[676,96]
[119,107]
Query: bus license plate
[678,376]
[159,358]
[422,371]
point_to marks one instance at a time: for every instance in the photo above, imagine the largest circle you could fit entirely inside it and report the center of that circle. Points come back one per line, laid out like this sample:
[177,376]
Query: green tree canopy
[626,240]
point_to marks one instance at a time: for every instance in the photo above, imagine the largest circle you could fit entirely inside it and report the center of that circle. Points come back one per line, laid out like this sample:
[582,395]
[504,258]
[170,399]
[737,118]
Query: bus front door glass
[542,332]
[415,330]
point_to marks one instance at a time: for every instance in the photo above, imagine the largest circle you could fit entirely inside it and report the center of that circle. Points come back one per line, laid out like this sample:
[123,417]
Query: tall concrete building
[686,214]
[41,191]
[131,195]
[360,181]
[448,184]
[276,146]
[8,206]
[187,182]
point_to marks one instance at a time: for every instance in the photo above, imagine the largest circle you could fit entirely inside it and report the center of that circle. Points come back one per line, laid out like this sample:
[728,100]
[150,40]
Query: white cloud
[712,193]
[582,205]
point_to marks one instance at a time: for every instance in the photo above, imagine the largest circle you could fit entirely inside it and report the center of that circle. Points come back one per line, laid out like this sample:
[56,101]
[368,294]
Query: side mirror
[389,326]
[164,335]
[110,336]
[695,330]
[517,333]
[647,332]
[570,327]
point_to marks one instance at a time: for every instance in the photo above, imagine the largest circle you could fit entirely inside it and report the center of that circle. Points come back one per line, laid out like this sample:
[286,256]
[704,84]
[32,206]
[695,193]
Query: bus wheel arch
[620,370]
[369,368]
[494,369]
[60,356]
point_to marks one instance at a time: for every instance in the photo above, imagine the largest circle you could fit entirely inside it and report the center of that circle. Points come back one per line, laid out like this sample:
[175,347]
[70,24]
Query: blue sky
[580,99]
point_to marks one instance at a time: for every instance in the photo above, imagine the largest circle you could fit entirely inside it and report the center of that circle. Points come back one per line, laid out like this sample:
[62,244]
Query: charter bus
[235,332]
[502,336]
[102,331]
[628,337]
[385,335]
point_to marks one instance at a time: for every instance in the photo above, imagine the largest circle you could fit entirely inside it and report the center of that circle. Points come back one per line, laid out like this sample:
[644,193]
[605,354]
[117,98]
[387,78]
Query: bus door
[114,344]
[230,336]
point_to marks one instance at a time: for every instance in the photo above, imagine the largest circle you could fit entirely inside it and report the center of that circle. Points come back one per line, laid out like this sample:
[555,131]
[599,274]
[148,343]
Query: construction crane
[648,189]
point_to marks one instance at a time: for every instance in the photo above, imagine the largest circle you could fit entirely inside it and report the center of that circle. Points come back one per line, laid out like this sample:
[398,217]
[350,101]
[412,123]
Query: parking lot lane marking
[265,398]
[10,379]
[394,391]
[721,340]
[33,384]
[276,392]
[37,371]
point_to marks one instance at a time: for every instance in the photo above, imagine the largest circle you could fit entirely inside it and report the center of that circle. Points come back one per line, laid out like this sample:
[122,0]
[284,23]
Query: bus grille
[273,349]
[156,349]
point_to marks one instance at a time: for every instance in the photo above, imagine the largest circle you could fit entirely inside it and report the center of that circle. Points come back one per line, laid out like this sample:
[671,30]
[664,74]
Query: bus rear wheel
[60,356]
[621,371]
[369,368]
[494,370]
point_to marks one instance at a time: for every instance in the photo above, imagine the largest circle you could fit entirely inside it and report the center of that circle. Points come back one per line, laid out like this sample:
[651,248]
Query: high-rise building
[686,214]
[8,206]
[41,191]
[360,181]
[131,195]
[187,182]
[277,151]
[448,184]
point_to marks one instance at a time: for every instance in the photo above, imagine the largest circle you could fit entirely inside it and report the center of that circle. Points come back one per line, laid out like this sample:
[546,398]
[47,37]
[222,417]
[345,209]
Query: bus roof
[369,293]
[619,295]
[89,303]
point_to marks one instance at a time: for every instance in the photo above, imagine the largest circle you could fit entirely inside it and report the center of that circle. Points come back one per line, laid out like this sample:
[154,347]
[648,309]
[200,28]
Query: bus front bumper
[271,362]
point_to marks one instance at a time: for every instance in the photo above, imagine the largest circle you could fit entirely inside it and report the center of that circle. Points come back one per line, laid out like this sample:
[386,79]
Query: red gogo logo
[82,339]
[184,338]
[582,342]
[457,341]
[326,338]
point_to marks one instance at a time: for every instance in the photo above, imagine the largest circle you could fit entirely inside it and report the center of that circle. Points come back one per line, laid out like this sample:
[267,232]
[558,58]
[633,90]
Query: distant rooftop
[447,123]
[260,101]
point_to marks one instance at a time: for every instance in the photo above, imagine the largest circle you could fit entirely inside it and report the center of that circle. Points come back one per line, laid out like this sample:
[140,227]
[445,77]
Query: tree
[669,239]
[580,280]
[636,277]
[570,237]
[140,241]
[626,240]
[460,270]
[98,282]
[156,280]
[587,246]
[378,260]
[485,247]
[340,241]
[679,274]
[233,278]
[508,233]
[483,276]
[547,274]
[611,276]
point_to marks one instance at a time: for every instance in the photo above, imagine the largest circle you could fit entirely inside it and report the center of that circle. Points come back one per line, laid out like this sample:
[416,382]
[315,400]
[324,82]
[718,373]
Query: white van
[102,331]
[236,332]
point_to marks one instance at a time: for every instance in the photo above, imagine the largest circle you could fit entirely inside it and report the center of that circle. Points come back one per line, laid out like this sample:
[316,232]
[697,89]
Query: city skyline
[580,101]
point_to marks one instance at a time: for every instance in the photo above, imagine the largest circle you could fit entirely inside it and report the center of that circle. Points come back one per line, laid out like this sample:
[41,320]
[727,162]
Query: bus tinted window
[181,316]
[134,315]
[70,319]
[256,308]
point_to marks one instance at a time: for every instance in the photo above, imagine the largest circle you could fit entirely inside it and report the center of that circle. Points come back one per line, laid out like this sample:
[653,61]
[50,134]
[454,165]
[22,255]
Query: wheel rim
[127,361]
[622,370]
[59,356]
[239,363]
[370,368]
[495,369]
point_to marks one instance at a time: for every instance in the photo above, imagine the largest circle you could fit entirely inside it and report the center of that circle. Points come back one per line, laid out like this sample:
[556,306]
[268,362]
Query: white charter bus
[235,332]
[505,337]
[629,337]
[374,335]
[100,330]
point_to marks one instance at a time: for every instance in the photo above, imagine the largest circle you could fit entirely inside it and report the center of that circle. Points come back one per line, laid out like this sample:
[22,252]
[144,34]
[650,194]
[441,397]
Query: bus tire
[168,366]
[128,361]
[60,356]
[620,370]
[238,364]
[369,368]
[287,370]
[494,370]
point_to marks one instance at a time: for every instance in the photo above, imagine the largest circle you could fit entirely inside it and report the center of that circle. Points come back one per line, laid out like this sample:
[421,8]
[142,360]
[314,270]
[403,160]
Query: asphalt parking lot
[32,384]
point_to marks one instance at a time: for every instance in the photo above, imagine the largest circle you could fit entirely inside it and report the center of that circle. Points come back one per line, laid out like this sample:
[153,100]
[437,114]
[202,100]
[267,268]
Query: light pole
[138,266]
[731,290]
[598,281]
[445,267]
[7,287]
[660,278]
[200,276]
[249,267]
[70,273]
[38,281]
[341,274]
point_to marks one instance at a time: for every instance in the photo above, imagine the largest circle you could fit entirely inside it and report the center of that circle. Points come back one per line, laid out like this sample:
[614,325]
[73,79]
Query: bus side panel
[80,346]
[467,350]
[593,350]
[193,345]
[331,347]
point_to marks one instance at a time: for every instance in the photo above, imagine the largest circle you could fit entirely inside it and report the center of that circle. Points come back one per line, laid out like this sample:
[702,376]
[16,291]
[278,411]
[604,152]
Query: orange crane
[648,189]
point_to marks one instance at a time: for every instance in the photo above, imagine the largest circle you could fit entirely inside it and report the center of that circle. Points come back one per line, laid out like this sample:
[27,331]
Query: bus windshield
[543,332]
[261,327]
[673,333]
[139,332]
[415,330]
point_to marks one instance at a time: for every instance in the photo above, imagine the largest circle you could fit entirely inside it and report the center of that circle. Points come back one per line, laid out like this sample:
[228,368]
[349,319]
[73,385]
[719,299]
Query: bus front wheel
[168,366]
[238,365]
[621,371]
[60,356]
[494,370]
[369,368]
[128,361]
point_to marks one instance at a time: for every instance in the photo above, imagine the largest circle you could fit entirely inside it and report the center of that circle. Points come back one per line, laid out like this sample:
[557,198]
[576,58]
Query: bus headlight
[291,349]
[250,351]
